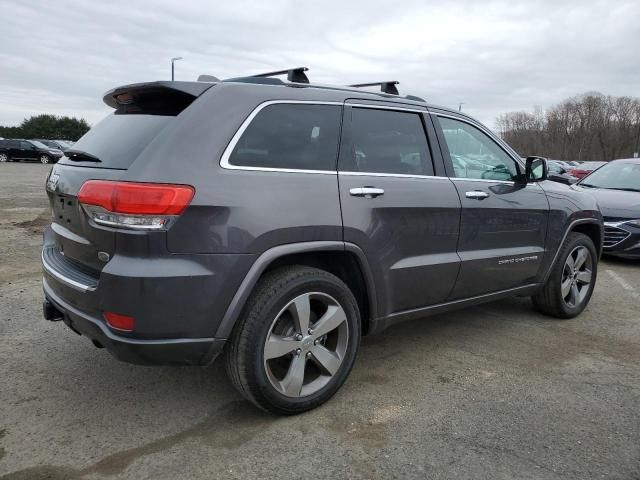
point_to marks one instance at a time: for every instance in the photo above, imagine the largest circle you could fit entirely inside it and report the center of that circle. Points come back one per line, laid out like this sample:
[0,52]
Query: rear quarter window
[290,136]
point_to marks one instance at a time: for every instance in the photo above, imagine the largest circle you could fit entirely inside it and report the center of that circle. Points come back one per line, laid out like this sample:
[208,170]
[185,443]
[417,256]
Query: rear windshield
[116,141]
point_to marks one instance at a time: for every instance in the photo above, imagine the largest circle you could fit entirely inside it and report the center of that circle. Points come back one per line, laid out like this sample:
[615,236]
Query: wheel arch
[592,227]
[345,260]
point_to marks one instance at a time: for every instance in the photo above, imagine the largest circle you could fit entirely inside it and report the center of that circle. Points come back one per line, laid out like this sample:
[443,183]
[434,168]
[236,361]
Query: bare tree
[591,126]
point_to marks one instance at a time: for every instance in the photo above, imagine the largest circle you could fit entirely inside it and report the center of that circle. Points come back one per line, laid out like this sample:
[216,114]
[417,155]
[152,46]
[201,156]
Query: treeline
[49,127]
[586,127]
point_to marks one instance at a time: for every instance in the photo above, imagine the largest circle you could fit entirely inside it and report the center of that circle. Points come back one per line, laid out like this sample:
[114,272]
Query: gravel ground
[496,392]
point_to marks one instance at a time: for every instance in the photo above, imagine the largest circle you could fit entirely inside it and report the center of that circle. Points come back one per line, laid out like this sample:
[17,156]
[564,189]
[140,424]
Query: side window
[26,146]
[475,155]
[291,136]
[387,141]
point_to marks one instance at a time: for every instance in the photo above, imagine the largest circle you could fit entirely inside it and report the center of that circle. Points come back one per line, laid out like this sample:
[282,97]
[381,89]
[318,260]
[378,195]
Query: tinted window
[292,136]
[119,139]
[386,141]
[475,155]
[26,146]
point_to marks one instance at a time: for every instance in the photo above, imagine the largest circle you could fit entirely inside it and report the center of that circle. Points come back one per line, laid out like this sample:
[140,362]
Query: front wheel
[572,279]
[44,159]
[296,342]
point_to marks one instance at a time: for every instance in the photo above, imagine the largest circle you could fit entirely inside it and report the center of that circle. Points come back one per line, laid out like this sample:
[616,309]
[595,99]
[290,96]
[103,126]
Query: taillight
[119,321]
[134,205]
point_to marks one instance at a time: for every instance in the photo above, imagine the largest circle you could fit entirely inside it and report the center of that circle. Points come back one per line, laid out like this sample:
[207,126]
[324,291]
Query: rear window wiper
[79,156]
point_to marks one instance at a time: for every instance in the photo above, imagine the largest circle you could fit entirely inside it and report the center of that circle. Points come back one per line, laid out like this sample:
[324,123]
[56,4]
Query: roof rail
[385,87]
[296,75]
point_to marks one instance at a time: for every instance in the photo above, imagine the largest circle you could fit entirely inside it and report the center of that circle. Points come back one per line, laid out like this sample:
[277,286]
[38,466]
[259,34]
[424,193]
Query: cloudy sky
[495,56]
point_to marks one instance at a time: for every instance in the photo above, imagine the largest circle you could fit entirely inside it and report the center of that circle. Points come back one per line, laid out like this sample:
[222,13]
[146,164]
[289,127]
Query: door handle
[367,192]
[476,195]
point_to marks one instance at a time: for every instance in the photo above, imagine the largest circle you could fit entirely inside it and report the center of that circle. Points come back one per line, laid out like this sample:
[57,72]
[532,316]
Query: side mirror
[536,169]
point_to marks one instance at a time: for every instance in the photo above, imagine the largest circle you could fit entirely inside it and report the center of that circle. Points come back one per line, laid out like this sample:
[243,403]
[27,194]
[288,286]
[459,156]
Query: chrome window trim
[505,182]
[396,175]
[69,282]
[224,160]
[484,180]
[505,148]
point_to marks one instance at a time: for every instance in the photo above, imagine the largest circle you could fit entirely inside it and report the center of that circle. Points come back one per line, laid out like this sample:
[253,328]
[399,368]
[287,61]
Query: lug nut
[310,331]
[299,337]
[298,351]
[308,354]
[315,342]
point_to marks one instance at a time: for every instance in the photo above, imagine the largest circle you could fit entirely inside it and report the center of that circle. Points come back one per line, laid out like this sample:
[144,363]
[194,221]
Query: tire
[555,302]
[265,375]
[4,158]
[45,159]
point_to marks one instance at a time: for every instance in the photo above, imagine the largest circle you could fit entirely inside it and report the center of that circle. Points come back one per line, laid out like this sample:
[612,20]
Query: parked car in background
[585,168]
[57,144]
[29,150]
[65,143]
[559,172]
[616,187]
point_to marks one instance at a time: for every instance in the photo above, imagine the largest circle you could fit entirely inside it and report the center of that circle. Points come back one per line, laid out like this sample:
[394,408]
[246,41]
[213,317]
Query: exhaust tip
[50,312]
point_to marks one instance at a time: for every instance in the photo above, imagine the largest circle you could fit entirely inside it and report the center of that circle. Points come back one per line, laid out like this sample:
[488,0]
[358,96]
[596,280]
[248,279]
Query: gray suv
[276,222]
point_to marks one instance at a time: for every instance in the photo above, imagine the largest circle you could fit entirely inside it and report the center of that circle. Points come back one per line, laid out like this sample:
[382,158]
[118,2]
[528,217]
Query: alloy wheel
[306,344]
[4,157]
[44,159]
[577,275]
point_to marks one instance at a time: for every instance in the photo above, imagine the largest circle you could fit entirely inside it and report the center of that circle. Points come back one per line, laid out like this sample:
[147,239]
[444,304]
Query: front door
[28,151]
[405,219]
[504,220]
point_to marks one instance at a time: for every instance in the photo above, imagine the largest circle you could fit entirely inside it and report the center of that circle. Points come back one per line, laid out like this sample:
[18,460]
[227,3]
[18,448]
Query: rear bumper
[178,351]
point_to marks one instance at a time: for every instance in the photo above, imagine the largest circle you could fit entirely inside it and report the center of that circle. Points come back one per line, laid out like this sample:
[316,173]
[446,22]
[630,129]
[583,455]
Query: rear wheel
[572,279]
[45,159]
[296,342]
[4,157]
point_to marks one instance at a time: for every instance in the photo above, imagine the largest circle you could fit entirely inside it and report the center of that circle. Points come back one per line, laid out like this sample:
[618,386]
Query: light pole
[173,60]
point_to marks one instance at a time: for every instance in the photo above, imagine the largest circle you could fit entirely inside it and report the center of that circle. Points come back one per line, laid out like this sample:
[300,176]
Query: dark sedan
[616,187]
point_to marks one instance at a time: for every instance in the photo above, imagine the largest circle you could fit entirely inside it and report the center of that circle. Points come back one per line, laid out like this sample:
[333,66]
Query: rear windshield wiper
[587,185]
[79,156]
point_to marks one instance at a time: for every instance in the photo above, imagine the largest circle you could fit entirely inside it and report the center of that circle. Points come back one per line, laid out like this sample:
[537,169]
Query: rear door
[15,152]
[397,206]
[504,220]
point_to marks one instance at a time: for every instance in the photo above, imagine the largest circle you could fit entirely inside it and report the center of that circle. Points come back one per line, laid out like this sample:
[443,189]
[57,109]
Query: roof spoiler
[177,93]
